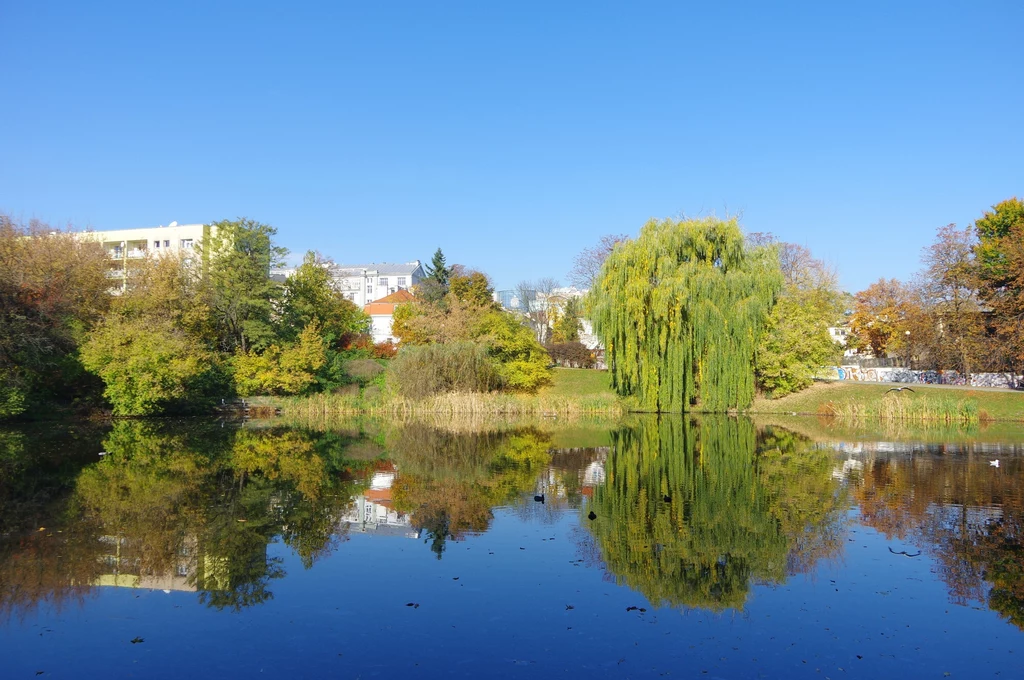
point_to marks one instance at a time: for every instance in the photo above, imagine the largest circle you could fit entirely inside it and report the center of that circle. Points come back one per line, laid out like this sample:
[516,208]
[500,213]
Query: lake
[650,547]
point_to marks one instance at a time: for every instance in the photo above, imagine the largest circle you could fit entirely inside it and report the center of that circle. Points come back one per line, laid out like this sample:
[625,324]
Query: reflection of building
[573,473]
[124,568]
[373,511]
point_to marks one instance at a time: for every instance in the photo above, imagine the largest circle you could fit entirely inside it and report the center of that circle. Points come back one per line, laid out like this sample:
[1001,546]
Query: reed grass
[453,404]
[899,408]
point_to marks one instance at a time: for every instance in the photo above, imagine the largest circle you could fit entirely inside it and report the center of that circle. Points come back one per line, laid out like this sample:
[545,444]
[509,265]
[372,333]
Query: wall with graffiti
[906,375]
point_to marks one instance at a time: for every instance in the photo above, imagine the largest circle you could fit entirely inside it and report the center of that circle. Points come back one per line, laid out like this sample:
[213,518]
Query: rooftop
[384,268]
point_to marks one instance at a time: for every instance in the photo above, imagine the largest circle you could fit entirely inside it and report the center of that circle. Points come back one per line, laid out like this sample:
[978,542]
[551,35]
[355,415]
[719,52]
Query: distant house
[381,313]
[365,283]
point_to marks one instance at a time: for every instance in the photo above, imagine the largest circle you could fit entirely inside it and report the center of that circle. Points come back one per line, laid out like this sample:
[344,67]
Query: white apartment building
[366,283]
[123,245]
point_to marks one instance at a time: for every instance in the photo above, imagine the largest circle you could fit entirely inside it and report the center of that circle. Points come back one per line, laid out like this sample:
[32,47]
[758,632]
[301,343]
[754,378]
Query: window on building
[156,244]
[401,281]
[382,282]
[369,288]
[167,244]
[186,244]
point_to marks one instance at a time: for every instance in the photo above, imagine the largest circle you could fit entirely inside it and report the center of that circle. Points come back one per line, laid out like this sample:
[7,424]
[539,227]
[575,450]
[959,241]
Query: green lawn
[578,382]
[997,404]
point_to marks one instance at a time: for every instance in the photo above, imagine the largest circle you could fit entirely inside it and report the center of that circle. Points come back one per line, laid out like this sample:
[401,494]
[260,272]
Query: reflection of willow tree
[969,516]
[450,481]
[690,515]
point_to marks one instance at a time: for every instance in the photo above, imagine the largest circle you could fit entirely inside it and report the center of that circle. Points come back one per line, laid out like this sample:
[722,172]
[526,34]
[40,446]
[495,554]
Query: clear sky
[513,134]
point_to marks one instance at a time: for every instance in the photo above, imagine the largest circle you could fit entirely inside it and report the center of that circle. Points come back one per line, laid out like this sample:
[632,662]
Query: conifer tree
[438,270]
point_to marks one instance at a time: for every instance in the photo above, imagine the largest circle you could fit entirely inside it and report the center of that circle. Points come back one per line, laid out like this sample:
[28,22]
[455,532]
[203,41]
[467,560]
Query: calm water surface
[654,547]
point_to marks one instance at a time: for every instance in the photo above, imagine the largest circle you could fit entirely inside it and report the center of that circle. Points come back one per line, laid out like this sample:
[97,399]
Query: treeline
[184,332]
[964,311]
[694,314]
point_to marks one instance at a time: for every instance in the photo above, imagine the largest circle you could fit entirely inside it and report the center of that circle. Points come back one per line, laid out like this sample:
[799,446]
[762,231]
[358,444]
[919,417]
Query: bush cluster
[425,370]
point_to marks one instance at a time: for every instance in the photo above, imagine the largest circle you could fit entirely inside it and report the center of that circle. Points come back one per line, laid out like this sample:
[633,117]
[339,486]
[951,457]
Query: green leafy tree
[680,310]
[310,294]
[147,364]
[522,361]
[288,370]
[471,287]
[796,342]
[993,228]
[237,258]
[568,322]
[1000,258]
[154,348]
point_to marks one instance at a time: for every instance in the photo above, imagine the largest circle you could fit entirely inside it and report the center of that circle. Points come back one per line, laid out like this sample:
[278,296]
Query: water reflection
[450,481]
[694,512]
[690,513]
[958,507]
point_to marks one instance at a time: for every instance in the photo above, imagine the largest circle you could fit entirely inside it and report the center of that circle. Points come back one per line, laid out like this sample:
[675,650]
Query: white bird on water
[994,463]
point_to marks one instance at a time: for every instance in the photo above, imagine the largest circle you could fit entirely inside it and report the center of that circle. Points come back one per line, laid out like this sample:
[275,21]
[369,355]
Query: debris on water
[568,607]
[455,578]
[414,605]
[667,498]
[592,515]
[539,499]
[137,640]
[632,609]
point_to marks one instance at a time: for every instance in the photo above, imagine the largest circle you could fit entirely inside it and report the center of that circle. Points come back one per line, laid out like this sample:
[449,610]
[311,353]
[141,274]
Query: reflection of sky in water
[531,593]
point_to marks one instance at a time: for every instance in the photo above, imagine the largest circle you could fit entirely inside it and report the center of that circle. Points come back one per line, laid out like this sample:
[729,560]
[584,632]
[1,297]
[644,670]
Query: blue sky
[514,134]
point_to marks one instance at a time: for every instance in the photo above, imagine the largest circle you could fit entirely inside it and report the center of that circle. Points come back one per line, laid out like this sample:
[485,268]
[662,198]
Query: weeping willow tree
[680,310]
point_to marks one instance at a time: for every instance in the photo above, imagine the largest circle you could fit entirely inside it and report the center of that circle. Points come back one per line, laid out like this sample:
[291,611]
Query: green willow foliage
[715,534]
[681,309]
[694,512]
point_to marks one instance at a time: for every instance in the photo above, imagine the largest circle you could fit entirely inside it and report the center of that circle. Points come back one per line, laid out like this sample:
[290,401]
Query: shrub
[146,366]
[363,370]
[423,370]
[292,370]
[523,363]
[385,350]
[571,354]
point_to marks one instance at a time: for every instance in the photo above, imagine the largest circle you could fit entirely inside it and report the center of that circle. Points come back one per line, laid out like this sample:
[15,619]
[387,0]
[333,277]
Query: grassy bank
[874,402]
[572,392]
[929,432]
